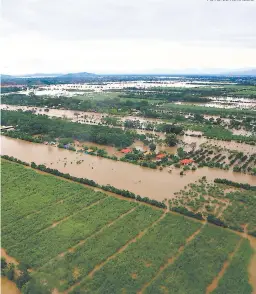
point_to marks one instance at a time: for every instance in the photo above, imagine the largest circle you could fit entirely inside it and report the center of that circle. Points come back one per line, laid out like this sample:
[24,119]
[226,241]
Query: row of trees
[235,184]
[30,124]
[104,105]
[92,183]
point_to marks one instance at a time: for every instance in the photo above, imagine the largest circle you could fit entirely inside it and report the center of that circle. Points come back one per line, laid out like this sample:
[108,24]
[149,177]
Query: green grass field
[82,241]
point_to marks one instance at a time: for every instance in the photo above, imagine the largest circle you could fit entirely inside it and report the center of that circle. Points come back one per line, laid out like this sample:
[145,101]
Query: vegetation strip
[30,124]
[234,184]
[219,203]
[235,279]
[226,264]
[14,237]
[170,260]
[81,242]
[97,267]
[108,188]
[81,225]
[195,268]
[141,260]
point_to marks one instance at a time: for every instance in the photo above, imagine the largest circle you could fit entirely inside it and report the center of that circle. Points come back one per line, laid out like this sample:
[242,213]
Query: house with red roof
[160,156]
[126,150]
[186,161]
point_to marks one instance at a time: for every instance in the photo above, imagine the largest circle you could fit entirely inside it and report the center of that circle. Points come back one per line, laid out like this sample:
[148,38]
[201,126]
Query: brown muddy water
[154,184]
[95,118]
[73,115]
[8,287]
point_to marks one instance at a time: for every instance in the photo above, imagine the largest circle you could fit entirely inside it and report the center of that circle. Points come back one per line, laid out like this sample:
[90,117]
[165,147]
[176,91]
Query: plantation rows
[82,241]
[232,205]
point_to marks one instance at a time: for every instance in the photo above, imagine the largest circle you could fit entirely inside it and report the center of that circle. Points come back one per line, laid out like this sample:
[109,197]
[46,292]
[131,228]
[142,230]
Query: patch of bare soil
[8,258]
[76,273]
[8,287]
[134,276]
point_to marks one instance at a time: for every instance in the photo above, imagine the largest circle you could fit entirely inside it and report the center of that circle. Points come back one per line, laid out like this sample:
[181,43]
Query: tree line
[27,123]
[235,184]
[88,182]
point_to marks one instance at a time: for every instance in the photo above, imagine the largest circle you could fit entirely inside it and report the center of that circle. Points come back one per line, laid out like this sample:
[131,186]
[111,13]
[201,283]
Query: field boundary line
[55,224]
[38,210]
[171,259]
[60,221]
[81,242]
[215,282]
[119,251]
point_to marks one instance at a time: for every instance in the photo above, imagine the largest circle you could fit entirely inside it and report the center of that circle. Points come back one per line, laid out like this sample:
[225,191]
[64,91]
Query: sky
[127,36]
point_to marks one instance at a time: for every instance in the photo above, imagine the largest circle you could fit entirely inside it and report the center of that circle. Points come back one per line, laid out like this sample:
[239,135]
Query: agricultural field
[233,207]
[69,238]
[223,158]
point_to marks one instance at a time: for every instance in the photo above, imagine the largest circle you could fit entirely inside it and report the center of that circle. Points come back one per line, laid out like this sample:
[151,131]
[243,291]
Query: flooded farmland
[95,118]
[155,184]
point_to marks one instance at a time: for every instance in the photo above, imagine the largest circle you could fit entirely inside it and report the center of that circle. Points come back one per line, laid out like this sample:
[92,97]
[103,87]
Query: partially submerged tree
[171,140]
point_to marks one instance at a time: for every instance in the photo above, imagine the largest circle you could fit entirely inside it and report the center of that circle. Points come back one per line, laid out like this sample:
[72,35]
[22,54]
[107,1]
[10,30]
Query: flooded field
[95,118]
[73,115]
[155,184]
[228,102]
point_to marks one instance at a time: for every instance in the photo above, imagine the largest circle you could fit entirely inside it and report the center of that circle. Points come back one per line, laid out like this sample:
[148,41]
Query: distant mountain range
[84,75]
[50,75]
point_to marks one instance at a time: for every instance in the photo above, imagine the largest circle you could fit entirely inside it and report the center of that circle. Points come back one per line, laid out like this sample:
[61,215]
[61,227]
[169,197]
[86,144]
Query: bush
[187,212]
[214,220]
[234,184]
[3,264]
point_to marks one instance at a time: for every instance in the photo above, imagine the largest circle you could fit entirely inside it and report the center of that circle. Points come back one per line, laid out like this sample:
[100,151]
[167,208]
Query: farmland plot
[235,280]
[98,248]
[82,241]
[198,265]
[130,270]
[39,248]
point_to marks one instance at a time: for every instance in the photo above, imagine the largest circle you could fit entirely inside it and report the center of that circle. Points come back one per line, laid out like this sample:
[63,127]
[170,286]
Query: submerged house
[186,161]
[160,156]
[126,150]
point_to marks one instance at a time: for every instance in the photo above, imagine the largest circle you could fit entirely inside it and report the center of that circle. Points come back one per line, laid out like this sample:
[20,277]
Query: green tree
[152,147]
[34,287]
[10,272]
[171,140]
[3,263]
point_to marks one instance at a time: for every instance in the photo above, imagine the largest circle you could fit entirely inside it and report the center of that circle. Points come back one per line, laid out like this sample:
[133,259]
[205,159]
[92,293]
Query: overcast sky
[127,36]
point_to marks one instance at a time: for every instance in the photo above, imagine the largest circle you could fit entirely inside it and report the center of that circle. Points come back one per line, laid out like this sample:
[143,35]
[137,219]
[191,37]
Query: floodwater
[95,118]
[8,287]
[242,132]
[8,258]
[154,184]
[228,102]
[231,145]
[73,115]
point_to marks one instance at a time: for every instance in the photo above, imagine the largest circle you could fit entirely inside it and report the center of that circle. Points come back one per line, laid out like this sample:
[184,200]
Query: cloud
[120,33]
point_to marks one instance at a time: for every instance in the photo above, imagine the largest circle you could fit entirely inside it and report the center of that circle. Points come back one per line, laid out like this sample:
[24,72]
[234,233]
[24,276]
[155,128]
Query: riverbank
[158,185]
